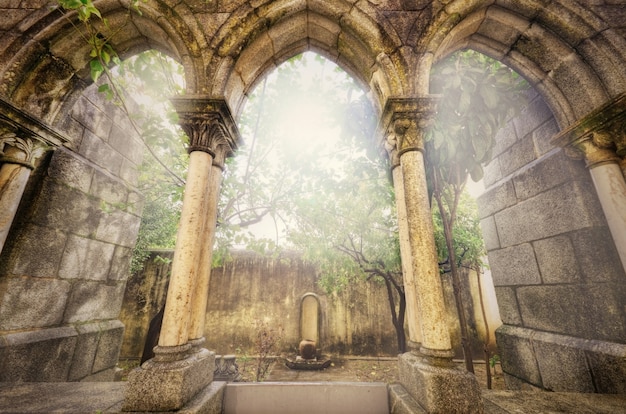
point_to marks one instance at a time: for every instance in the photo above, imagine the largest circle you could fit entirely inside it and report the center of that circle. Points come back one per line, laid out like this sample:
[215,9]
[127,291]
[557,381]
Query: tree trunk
[456,282]
[397,319]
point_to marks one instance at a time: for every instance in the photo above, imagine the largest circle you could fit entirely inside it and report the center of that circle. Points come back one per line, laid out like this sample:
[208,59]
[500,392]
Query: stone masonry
[553,213]
[559,281]
[78,219]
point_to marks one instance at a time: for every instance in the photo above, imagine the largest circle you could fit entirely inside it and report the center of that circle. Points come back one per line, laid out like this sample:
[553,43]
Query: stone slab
[106,397]
[401,402]
[530,402]
[63,397]
[306,397]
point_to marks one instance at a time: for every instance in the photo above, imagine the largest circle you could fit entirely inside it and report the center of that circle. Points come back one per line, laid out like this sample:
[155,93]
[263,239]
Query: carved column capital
[596,148]
[23,151]
[600,137]
[405,122]
[209,125]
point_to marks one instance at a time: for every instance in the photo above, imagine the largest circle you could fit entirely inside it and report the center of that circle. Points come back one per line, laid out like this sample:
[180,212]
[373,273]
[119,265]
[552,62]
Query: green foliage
[346,225]
[494,360]
[98,35]
[479,94]
[151,78]
[468,242]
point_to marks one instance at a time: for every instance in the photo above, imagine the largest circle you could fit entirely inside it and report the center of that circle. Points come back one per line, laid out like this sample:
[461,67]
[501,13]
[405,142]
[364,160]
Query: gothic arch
[254,41]
[557,48]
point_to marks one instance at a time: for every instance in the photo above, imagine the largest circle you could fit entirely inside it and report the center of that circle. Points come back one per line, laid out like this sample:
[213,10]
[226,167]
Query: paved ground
[107,397]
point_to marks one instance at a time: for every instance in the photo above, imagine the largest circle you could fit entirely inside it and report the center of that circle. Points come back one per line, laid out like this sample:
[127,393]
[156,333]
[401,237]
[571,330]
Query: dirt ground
[349,369]
[353,369]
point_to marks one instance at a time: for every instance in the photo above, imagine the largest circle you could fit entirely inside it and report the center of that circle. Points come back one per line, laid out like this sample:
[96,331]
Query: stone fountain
[308,359]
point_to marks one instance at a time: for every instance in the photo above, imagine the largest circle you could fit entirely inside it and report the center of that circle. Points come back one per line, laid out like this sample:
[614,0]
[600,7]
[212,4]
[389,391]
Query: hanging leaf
[96,69]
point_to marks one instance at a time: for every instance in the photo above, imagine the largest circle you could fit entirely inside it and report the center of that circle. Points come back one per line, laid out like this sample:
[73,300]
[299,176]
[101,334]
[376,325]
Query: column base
[169,380]
[438,385]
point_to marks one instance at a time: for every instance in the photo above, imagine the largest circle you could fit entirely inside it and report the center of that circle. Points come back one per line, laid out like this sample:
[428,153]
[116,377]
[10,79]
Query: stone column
[222,149]
[182,368]
[410,287]
[428,374]
[600,138]
[17,158]
[176,318]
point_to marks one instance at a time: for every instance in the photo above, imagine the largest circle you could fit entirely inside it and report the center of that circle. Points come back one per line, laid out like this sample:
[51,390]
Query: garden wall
[252,289]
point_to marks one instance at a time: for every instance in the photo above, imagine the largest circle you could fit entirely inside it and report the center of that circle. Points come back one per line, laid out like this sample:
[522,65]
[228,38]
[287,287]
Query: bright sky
[304,123]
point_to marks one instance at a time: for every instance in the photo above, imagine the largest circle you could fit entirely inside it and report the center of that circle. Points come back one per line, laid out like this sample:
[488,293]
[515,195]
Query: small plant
[493,361]
[243,361]
[267,340]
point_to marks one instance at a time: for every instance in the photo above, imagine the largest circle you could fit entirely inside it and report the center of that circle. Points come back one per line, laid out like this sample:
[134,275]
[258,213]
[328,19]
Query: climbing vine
[102,53]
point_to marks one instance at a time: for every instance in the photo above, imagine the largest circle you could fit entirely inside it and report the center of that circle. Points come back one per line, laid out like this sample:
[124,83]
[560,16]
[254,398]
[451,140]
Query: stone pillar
[17,158]
[198,314]
[181,367]
[176,318]
[428,374]
[600,138]
[410,287]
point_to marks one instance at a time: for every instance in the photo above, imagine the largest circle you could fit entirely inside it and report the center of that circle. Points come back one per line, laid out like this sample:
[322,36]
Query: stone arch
[47,65]
[557,48]
[254,41]
[541,213]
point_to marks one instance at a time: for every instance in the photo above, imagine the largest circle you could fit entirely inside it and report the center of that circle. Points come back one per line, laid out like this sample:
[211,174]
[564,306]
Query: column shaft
[410,287]
[176,318]
[198,312]
[13,179]
[17,157]
[435,334]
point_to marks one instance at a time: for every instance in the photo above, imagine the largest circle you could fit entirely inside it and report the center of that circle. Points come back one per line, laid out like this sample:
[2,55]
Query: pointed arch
[557,48]
[254,41]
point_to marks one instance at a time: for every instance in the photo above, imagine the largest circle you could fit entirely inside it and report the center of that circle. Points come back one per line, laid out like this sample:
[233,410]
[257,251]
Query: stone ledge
[401,402]
[437,388]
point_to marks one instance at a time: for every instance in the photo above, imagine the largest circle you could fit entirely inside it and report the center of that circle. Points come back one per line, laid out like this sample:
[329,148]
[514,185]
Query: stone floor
[92,397]
[74,398]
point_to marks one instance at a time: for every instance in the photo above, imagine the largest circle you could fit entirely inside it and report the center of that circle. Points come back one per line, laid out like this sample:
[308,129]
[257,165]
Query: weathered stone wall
[63,272]
[252,288]
[144,297]
[559,282]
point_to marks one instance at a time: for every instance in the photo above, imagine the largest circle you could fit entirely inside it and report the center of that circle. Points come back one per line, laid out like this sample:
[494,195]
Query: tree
[346,226]
[479,95]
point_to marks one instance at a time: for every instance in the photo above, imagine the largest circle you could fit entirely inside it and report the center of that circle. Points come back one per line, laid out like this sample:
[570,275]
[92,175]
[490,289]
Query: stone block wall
[559,282]
[63,270]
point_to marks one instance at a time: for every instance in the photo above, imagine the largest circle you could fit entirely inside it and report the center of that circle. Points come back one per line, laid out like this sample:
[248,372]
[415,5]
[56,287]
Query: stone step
[306,397]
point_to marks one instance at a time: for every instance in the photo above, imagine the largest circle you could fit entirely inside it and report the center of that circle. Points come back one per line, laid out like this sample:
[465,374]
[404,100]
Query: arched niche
[310,317]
